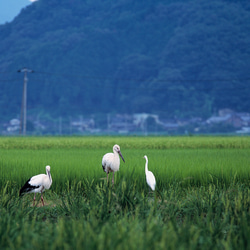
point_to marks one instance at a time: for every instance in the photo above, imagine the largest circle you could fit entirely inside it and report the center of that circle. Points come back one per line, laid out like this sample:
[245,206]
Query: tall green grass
[186,166]
[122,217]
[202,198]
[125,142]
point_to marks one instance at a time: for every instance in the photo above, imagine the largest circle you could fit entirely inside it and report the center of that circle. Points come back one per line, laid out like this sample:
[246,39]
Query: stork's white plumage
[37,184]
[150,178]
[111,161]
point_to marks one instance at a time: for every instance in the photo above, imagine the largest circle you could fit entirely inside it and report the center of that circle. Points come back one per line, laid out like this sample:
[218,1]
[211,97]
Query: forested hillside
[173,58]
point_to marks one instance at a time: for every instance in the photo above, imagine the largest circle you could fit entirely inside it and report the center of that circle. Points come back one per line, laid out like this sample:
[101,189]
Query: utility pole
[23,117]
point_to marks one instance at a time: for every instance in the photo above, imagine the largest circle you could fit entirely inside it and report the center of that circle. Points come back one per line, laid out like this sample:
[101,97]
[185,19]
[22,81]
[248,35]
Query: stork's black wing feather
[27,188]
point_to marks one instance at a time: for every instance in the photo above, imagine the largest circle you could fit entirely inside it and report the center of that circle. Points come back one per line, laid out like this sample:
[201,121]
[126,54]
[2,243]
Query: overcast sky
[9,9]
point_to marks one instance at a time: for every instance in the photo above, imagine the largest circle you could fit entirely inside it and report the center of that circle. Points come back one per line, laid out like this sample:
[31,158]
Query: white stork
[150,178]
[37,184]
[111,161]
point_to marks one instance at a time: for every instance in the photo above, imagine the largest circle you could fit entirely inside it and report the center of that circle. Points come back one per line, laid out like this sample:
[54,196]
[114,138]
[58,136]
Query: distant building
[13,126]
[229,117]
[83,124]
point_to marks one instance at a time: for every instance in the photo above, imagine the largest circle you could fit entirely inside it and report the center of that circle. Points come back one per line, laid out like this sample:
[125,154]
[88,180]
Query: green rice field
[201,201]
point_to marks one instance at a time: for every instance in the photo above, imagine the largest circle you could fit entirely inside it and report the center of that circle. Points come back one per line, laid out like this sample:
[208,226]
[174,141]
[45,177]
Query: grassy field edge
[151,142]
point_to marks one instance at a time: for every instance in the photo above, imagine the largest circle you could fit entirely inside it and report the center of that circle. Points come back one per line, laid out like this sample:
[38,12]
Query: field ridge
[151,142]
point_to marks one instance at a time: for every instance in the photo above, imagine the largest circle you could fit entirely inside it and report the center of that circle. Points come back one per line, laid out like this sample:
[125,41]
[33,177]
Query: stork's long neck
[146,166]
[116,154]
[48,173]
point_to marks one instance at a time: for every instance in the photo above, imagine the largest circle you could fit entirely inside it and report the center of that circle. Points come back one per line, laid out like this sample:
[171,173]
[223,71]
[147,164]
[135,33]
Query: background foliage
[169,57]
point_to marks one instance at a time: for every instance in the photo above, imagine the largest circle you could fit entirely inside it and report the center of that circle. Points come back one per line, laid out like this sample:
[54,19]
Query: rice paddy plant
[123,217]
[98,142]
[72,167]
[201,201]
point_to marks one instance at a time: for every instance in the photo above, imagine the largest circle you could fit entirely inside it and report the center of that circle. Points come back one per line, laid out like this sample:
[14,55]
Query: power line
[147,88]
[145,80]
[144,88]
[136,79]
[10,80]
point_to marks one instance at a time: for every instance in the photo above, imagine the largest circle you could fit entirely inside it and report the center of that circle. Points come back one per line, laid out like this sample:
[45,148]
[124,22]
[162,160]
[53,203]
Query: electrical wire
[140,88]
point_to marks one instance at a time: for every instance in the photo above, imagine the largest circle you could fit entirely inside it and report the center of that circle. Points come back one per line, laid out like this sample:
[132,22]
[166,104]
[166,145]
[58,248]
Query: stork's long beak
[121,155]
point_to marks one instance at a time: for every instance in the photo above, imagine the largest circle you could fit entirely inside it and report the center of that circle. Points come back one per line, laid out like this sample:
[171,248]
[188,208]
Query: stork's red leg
[42,198]
[34,199]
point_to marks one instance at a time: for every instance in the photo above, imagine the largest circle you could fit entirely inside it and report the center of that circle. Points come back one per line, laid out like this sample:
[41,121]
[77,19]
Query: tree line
[173,58]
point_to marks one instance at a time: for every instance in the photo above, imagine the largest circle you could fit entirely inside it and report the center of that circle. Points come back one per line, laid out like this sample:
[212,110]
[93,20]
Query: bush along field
[201,201]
